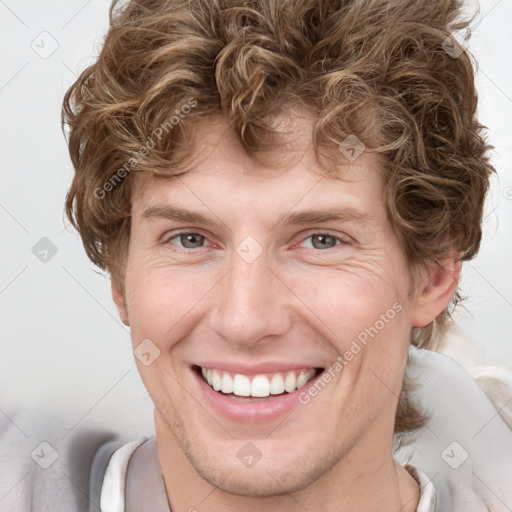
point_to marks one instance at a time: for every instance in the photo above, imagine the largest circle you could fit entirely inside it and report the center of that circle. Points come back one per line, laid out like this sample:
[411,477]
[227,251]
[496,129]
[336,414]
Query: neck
[367,478]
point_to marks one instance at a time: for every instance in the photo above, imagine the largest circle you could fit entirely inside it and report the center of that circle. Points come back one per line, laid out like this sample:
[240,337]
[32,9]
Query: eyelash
[342,240]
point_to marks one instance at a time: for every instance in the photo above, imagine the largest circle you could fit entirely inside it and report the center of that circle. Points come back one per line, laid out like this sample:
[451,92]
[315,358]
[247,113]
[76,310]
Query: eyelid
[341,237]
[168,236]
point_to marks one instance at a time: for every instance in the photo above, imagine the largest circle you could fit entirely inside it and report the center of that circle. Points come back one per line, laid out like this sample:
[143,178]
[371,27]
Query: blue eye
[323,240]
[319,241]
[189,240]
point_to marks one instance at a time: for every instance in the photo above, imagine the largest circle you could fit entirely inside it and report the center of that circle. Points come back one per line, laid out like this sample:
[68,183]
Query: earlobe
[118,298]
[434,291]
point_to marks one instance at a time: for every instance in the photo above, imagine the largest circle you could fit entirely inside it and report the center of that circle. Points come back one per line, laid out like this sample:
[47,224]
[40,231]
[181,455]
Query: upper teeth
[260,385]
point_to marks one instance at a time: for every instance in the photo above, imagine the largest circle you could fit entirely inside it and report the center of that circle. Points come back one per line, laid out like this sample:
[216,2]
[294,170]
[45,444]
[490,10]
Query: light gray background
[65,361]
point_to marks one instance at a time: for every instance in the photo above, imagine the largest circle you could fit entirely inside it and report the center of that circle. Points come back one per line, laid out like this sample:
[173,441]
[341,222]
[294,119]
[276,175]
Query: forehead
[218,165]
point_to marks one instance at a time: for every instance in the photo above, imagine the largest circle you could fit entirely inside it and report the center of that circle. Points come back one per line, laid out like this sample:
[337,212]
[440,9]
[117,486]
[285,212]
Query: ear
[437,286]
[118,297]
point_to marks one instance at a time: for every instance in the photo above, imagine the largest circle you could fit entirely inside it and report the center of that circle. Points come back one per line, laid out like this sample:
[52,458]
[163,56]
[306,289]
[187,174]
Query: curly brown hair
[167,63]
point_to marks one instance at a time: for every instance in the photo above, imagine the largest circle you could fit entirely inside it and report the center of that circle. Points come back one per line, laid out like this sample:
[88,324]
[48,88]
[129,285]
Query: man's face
[265,296]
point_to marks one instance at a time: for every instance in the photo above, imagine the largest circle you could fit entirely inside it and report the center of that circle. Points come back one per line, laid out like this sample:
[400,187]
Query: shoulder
[465,447]
[57,475]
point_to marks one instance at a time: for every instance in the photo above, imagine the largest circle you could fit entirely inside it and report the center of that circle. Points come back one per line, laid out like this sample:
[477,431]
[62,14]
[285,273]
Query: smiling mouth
[254,387]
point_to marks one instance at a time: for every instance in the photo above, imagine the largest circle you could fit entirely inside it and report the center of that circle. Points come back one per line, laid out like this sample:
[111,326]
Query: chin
[263,481]
[272,475]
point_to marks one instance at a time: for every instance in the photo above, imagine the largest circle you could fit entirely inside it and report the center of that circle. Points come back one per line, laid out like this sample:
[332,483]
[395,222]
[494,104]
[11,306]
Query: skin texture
[299,302]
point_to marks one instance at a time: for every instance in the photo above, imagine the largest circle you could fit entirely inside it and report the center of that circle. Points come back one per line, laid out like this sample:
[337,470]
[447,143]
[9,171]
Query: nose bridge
[249,302]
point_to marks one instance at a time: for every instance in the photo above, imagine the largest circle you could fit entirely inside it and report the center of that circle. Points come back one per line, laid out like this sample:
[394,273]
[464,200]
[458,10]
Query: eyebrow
[293,218]
[175,213]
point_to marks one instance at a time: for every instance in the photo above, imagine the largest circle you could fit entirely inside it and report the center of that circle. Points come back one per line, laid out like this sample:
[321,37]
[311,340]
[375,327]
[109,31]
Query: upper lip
[256,369]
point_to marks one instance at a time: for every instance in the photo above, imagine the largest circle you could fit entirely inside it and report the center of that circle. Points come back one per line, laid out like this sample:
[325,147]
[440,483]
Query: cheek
[363,312]
[162,301]
[351,301]
[374,340]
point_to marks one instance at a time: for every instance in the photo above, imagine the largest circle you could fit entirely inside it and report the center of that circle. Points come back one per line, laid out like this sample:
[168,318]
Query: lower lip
[258,411]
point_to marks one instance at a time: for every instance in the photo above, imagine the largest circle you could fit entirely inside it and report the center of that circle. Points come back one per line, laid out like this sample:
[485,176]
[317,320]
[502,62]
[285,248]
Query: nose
[250,303]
